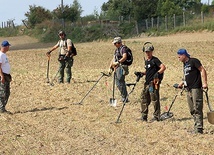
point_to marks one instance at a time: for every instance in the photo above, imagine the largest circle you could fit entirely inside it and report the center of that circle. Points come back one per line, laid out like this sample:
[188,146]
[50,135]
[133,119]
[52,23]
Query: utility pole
[62,8]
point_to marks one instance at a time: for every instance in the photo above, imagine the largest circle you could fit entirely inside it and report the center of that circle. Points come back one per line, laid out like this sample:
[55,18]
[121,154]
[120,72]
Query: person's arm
[162,68]
[123,58]
[204,76]
[52,49]
[1,75]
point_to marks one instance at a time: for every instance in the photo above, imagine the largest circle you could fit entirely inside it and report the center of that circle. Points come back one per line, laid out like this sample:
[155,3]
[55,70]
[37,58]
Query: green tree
[169,8]
[37,15]
[67,13]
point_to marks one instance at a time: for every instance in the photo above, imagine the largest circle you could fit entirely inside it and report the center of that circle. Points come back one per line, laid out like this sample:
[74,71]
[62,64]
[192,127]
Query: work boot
[154,119]
[124,99]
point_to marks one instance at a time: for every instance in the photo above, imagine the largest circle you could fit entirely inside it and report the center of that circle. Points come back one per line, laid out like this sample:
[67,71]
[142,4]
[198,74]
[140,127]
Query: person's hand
[110,71]
[204,86]
[48,53]
[115,63]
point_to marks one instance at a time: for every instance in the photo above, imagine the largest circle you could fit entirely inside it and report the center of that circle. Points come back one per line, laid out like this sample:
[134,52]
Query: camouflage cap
[117,40]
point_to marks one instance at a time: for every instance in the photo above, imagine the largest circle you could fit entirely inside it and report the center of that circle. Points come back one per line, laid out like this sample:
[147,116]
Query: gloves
[139,74]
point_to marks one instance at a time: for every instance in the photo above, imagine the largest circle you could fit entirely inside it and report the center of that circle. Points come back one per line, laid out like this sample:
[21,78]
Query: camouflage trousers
[150,94]
[65,65]
[4,94]
[195,103]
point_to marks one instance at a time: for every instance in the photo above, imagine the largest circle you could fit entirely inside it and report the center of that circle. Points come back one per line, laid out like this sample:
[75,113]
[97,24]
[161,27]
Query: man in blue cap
[195,79]
[4,76]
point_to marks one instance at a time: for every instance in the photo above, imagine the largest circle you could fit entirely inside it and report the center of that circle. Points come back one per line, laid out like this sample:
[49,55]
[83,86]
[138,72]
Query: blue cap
[183,52]
[5,43]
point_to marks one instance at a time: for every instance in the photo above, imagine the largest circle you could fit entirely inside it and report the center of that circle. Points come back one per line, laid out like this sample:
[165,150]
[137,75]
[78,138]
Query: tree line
[135,9]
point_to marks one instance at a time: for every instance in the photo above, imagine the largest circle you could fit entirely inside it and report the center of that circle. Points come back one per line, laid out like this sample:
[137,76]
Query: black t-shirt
[152,66]
[192,74]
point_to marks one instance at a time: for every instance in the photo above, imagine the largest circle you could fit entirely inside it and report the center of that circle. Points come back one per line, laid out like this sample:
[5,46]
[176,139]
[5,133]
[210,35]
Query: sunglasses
[61,34]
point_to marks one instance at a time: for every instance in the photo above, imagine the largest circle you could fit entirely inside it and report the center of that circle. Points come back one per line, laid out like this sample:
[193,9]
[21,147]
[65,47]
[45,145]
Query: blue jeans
[120,81]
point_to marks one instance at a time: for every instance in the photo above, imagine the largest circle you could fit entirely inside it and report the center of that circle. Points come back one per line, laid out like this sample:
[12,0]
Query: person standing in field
[5,77]
[154,70]
[65,57]
[194,74]
[121,70]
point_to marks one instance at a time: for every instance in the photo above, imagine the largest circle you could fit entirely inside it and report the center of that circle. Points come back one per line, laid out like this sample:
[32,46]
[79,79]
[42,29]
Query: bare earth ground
[46,120]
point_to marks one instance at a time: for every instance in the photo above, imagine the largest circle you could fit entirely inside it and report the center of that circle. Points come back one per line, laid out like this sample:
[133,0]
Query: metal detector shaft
[51,83]
[103,74]
[48,69]
[124,102]
[174,100]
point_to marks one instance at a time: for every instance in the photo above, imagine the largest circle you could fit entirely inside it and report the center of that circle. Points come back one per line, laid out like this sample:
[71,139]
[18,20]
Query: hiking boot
[154,119]
[123,100]
[142,119]
[197,131]
[4,111]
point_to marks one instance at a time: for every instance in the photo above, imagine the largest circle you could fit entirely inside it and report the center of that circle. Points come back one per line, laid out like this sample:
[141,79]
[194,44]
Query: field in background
[46,119]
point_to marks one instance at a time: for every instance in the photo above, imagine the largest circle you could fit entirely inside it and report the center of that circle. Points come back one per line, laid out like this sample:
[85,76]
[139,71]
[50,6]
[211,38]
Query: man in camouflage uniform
[65,57]
[5,77]
[194,73]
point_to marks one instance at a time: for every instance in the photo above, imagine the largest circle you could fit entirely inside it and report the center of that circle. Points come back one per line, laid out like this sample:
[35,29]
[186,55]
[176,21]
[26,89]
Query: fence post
[137,29]
[202,17]
[174,21]
[152,20]
[184,20]
[147,24]
[166,23]
[158,22]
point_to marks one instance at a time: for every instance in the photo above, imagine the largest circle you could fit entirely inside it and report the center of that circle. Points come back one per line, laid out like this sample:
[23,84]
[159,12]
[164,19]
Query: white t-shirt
[5,66]
[63,47]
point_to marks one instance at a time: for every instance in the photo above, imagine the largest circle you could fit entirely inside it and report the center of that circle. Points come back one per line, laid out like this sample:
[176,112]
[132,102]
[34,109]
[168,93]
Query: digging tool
[169,114]
[113,101]
[210,114]
[139,75]
[47,80]
[103,74]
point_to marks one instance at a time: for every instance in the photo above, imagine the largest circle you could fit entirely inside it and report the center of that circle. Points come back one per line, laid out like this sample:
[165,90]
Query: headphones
[150,47]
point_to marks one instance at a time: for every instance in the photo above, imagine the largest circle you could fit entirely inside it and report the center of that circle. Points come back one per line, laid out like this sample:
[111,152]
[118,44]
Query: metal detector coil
[168,114]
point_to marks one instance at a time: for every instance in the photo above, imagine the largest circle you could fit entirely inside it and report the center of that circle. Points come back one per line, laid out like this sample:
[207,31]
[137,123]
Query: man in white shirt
[5,77]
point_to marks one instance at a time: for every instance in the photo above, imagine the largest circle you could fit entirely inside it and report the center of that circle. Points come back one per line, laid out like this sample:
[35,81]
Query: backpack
[129,59]
[73,48]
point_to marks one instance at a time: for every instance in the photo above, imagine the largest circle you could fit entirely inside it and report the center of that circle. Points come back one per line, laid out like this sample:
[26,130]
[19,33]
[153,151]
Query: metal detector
[169,114]
[103,74]
[113,101]
[47,80]
[210,114]
[139,75]
[51,83]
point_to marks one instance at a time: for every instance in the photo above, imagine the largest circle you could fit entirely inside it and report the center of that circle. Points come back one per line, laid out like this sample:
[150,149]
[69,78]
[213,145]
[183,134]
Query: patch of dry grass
[46,120]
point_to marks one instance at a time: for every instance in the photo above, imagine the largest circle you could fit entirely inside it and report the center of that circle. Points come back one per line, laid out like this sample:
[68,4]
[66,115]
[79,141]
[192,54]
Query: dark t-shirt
[152,66]
[119,52]
[192,74]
